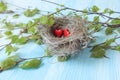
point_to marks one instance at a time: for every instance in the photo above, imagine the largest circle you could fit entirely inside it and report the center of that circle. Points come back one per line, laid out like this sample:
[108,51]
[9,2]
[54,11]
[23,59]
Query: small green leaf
[85,10]
[47,53]
[96,19]
[3,7]
[44,20]
[109,31]
[51,21]
[8,33]
[31,12]
[35,11]
[62,5]
[111,12]
[70,13]
[22,40]
[32,30]
[117,48]
[58,10]
[14,57]
[16,16]
[106,10]
[97,52]
[98,27]
[108,42]
[10,49]
[39,41]
[115,21]
[1,36]
[63,58]
[95,8]
[14,39]
[7,64]
[29,24]
[34,63]
[9,25]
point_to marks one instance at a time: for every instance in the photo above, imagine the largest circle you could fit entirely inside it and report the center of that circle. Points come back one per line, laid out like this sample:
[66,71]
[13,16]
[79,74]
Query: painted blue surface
[79,67]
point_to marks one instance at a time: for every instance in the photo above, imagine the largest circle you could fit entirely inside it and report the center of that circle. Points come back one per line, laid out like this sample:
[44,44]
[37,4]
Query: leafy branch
[110,25]
[94,10]
[28,63]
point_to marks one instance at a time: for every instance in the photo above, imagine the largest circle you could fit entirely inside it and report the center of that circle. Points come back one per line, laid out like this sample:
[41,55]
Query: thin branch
[105,24]
[23,59]
[7,12]
[4,46]
[88,13]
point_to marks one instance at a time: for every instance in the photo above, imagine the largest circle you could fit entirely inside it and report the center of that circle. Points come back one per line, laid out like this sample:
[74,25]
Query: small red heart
[58,32]
[66,32]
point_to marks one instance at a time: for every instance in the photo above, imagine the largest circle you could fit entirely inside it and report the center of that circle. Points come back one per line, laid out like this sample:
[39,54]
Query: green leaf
[8,33]
[3,7]
[95,27]
[16,58]
[95,8]
[39,41]
[32,30]
[34,63]
[96,19]
[62,5]
[117,48]
[9,25]
[51,21]
[16,16]
[91,26]
[58,10]
[10,49]
[115,21]
[35,37]
[109,31]
[63,58]
[85,10]
[14,39]
[70,13]
[106,10]
[22,40]
[47,53]
[44,20]
[35,11]
[1,36]
[108,42]
[29,24]
[97,52]
[31,13]
[7,64]
[111,12]
[98,27]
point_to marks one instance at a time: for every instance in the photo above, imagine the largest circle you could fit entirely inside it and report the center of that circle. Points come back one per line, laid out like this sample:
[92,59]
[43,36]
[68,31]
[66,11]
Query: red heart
[66,32]
[58,32]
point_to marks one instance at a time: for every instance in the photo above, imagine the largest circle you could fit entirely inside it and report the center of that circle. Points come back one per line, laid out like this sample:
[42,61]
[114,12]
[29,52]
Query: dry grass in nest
[63,46]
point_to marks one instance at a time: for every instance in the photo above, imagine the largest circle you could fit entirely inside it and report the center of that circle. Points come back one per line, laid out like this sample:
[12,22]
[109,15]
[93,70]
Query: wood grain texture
[79,67]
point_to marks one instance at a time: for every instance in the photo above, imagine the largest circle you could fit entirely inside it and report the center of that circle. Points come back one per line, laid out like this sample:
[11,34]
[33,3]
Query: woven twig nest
[63,46]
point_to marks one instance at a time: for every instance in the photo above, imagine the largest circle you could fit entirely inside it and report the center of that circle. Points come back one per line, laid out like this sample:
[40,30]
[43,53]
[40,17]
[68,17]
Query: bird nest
[63,46]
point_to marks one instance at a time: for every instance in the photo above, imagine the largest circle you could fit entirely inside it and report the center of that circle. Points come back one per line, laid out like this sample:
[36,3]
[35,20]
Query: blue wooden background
[79,67]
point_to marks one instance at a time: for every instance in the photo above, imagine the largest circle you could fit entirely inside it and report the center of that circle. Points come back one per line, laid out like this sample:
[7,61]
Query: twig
[7,12]
[23,59]
[88,12]
[4,46]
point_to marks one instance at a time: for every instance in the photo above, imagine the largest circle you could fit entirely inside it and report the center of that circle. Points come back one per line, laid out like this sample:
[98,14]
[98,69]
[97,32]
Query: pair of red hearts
[60,32]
